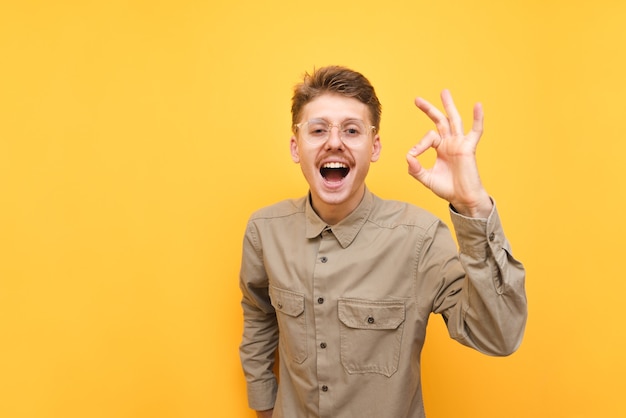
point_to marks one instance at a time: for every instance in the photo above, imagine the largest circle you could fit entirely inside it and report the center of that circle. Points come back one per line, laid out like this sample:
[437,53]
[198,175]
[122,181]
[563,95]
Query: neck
[333,213]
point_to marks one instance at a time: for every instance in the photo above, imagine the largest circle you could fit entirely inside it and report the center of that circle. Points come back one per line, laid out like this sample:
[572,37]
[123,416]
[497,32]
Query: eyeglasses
[352,131]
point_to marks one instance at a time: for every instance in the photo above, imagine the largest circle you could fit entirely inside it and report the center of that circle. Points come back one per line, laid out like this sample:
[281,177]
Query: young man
[343,282]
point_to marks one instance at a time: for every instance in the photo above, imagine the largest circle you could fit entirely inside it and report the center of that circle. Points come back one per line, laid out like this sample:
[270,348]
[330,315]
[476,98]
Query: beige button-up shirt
[347,306]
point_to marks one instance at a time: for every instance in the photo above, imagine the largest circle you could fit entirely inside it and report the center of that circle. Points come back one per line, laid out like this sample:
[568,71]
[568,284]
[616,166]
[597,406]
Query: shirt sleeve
[486,307]
[260,328]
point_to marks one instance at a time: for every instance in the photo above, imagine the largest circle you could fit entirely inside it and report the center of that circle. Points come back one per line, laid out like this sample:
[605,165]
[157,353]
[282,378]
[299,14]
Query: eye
[352,130]
[317,129]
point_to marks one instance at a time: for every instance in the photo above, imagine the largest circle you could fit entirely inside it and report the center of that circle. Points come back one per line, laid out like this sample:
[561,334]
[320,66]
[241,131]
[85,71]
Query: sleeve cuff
[262,395]
[476,235]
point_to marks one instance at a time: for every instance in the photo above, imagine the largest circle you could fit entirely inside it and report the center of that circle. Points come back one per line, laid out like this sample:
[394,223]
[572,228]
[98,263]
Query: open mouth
[334,171]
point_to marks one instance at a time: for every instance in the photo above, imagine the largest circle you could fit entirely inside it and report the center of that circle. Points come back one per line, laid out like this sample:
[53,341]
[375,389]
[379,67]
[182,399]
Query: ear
[376,148]
[295,154]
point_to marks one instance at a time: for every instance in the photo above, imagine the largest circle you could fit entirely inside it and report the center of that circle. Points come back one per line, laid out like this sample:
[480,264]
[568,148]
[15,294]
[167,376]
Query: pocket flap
[286,301]
[371,314]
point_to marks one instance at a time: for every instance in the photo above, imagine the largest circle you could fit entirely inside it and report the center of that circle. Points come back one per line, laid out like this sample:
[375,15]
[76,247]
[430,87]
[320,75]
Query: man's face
[335,171]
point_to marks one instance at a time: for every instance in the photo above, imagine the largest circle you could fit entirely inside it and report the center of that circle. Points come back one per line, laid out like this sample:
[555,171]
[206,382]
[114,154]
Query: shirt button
[323,345]
[492,236]
[324,388]
[323,259]
[320,300]
[370,319]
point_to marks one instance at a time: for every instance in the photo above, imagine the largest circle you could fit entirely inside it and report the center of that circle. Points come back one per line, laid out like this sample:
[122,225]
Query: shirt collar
[346,230]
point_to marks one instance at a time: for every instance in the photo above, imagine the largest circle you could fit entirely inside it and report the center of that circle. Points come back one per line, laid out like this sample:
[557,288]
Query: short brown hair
[339,80]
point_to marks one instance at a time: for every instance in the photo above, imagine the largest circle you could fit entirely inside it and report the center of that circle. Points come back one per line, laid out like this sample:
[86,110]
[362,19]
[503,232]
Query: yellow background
[136,137]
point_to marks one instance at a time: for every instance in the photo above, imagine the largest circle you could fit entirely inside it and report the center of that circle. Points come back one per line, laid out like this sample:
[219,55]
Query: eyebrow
[341,123]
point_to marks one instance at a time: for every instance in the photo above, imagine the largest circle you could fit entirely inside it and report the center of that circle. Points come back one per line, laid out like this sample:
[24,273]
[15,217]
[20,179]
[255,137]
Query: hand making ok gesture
[454,175]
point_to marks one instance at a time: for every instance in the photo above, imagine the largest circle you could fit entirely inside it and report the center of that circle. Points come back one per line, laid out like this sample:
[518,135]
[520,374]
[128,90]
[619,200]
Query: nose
[334,137]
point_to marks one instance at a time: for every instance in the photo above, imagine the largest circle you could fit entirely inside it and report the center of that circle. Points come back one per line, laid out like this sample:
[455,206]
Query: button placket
[323,308]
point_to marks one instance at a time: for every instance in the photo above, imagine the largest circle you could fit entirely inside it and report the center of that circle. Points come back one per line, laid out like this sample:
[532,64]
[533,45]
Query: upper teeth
[335,165]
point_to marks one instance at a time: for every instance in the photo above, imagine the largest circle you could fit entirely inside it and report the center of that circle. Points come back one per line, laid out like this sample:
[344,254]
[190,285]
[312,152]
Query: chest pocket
[291,317]
[371,335]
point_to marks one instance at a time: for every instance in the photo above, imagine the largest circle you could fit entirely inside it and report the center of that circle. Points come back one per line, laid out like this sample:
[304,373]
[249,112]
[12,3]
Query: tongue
[333,175]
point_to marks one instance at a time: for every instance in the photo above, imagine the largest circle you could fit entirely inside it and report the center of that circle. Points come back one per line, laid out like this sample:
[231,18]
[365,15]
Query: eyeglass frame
[370,129]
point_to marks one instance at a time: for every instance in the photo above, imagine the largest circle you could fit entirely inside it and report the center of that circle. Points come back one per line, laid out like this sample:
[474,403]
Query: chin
[337,194]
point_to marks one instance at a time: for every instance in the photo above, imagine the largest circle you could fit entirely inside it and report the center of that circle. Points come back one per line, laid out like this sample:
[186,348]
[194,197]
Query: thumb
[415,167]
